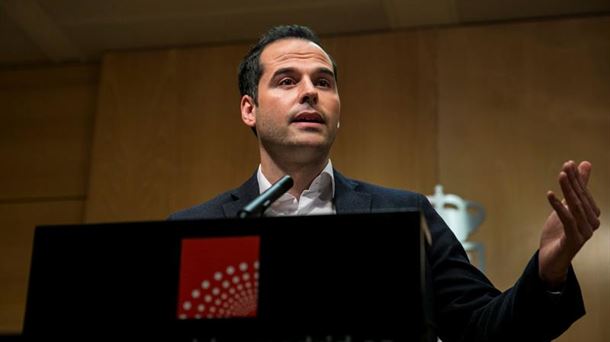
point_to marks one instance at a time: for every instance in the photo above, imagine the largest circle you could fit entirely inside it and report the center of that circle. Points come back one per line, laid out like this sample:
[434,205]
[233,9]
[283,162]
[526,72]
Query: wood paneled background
[515,102]
[46,117]
[490,112]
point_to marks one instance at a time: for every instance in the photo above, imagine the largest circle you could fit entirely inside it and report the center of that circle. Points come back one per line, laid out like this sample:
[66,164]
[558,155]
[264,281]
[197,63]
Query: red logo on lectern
[218,277]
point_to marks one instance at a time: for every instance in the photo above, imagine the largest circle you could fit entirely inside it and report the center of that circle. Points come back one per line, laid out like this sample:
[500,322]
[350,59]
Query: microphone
[258,206]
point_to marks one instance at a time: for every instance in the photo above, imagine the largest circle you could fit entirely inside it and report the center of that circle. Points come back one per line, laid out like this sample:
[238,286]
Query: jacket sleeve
[467,307]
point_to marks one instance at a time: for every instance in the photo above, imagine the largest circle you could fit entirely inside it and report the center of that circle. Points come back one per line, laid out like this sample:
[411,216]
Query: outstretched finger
[584,170]
[581,193]
[574,206]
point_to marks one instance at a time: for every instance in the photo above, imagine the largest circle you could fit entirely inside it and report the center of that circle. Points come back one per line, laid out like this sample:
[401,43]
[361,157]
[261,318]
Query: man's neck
[302,173]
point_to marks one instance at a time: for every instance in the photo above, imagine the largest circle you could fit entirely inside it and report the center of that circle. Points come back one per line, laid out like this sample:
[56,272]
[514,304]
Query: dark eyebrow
[327,71]
[282,71]
[289,70]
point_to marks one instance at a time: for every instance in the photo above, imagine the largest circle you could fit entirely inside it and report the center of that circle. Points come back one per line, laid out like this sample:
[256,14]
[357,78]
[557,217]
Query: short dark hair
[250,68]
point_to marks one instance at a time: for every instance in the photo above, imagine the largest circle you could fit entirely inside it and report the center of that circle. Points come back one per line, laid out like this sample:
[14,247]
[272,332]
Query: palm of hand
[569,226]
[553,243]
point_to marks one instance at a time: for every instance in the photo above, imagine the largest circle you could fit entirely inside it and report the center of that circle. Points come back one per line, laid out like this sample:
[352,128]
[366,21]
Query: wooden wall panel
[217,152]
[515,102]
[17,222]
[46,117]
[168,133]
[45,134]
[387,84]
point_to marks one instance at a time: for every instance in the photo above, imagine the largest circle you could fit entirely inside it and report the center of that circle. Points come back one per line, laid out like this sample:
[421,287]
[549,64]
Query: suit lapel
[348,199]
[241,196]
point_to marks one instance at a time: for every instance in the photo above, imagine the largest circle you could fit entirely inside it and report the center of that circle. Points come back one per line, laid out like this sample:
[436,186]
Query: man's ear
[248,110]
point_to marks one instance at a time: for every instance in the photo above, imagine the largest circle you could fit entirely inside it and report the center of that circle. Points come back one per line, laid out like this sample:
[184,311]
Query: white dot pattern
[232,293]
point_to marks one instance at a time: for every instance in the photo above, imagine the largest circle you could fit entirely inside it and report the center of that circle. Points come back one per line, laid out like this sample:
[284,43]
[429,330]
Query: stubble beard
[280,145]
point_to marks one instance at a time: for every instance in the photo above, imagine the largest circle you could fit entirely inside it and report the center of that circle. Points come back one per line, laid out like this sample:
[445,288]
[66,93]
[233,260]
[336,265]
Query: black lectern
[357,277]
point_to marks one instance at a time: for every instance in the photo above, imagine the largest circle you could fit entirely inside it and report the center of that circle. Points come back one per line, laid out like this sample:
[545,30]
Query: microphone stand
[257,207]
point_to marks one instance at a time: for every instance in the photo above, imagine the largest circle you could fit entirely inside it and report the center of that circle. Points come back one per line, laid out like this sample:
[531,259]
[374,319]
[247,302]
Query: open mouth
[309,118]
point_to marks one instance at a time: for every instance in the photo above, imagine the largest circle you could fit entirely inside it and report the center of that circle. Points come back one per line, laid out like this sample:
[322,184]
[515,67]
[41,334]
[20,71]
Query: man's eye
[324,83]
[286,81]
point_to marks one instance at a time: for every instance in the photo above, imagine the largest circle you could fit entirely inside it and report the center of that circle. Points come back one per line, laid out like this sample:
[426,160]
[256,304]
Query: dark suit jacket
[467,307]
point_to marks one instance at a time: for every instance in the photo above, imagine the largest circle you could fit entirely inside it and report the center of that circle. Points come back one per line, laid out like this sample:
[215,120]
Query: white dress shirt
[317,200]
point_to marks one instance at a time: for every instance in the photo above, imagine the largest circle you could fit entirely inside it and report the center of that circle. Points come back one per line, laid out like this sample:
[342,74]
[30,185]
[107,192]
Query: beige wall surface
[45,137]
[515,102]
[489,111]
[167,133]
[388,131]
[46,130]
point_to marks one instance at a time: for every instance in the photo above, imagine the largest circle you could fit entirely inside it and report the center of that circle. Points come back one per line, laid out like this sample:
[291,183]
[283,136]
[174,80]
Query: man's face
[298,101]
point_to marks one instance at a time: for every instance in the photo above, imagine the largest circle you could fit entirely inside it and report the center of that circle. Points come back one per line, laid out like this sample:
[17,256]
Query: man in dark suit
[290,100]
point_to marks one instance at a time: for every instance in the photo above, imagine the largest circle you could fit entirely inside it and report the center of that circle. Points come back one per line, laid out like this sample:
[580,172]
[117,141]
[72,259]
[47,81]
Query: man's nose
[309,93]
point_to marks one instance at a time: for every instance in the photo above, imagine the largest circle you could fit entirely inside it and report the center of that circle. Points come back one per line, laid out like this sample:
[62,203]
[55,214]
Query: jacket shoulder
[389,198]
[206,210]
[224,205]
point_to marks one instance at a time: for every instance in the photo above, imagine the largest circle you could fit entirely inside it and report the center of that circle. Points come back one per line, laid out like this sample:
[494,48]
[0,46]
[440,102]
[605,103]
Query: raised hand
[569,226]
